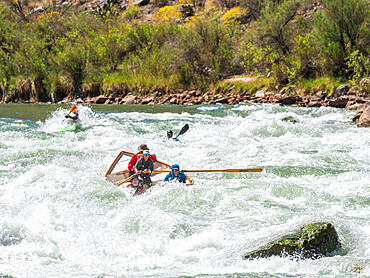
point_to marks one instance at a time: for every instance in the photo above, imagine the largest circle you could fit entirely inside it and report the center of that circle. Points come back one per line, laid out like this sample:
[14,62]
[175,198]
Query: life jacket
[144,164]
[135,158]
[152,156]
[180,175]
[139,155]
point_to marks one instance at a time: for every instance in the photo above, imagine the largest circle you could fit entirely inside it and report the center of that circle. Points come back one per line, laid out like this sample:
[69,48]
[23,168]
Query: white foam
[72,223]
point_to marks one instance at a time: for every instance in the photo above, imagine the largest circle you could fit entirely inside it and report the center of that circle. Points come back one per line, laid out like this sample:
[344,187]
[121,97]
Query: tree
[339,28]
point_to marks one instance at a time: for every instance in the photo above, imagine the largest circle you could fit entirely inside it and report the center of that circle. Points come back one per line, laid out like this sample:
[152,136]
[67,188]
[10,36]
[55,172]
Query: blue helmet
[175,166]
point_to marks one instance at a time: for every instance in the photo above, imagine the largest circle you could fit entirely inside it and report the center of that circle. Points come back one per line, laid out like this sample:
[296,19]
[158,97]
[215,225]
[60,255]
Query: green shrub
[339,29]
[54,54]
[359,64]
[132,13]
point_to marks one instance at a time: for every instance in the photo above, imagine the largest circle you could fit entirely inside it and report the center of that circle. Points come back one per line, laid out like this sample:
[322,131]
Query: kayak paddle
[183,130]
[73,109]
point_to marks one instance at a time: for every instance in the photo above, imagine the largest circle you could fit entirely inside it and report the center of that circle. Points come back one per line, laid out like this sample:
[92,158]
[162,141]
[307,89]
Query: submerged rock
[311,241]
[10,239]
[289,119]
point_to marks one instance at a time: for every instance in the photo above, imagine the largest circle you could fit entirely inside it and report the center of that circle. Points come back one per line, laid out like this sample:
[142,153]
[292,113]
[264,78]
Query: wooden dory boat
[118,171]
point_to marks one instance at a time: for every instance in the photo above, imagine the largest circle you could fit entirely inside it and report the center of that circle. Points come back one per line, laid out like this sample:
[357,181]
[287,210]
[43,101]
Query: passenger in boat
[176,174]
[136,157]
[144,167]
[72,113]
[137,185]
[170,135]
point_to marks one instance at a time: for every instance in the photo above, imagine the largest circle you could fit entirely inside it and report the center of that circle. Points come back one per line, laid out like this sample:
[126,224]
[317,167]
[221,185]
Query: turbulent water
[60,218]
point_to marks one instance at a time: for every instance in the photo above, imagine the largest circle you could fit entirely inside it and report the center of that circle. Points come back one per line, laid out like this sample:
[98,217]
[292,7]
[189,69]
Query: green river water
[61,218]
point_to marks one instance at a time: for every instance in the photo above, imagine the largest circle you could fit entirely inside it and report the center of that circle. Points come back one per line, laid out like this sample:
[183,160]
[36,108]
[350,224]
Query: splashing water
[60,218]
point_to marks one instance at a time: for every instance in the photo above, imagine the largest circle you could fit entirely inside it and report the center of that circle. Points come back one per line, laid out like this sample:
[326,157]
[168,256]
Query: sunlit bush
[168,13]
[235,14]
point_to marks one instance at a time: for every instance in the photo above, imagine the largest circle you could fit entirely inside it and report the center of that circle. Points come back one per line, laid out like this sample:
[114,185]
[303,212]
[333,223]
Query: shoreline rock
[347,101]
[312,241]
[362,116]
[342,97]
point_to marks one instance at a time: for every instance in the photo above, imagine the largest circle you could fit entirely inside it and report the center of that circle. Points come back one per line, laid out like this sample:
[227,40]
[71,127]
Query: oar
[126,180]
[198,171]
[223,170]
[183,130]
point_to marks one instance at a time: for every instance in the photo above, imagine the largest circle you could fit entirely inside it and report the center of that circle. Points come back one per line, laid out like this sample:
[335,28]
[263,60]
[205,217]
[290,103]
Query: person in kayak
[144,168]
[176,174]
[136,184]
[137,156]
[73,115]
[170,135]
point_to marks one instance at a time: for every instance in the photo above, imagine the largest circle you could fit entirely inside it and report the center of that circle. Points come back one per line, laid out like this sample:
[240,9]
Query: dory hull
[118,171]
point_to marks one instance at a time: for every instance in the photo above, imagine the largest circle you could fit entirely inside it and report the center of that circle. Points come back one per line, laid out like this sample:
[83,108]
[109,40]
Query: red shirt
[134,159]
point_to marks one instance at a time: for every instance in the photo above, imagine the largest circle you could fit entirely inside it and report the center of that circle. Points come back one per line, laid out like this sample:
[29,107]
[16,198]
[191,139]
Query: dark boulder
[340,102]
[289,119]
[289,100]
[341,90]
[311,241]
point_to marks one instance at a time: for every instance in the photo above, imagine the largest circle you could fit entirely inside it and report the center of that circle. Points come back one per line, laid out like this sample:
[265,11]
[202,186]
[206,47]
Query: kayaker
[137,156]
[72,113]
[144,168]
[170,135]
[136,184]
[176,174]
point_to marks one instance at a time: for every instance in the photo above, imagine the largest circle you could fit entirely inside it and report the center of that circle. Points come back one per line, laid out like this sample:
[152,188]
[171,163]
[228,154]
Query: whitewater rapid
[61,218]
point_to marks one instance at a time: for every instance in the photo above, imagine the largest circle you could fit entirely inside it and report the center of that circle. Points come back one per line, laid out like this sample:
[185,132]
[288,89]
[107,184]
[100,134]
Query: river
[61,218]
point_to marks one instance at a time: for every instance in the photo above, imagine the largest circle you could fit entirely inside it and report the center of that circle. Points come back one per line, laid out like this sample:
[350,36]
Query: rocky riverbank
[342,97]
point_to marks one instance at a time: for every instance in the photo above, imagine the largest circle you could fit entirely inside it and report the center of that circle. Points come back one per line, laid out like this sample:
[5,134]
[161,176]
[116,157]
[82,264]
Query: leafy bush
[339,29]
[47,57]
[359,64]
[132,13]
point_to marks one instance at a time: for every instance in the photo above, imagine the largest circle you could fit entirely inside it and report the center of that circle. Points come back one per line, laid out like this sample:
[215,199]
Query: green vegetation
[60,51]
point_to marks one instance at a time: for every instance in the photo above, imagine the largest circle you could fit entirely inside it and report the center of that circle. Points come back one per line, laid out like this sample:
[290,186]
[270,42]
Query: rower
[144,167]
[170,135]
[73,115]
[136,157]
[176,174]
[136,184]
